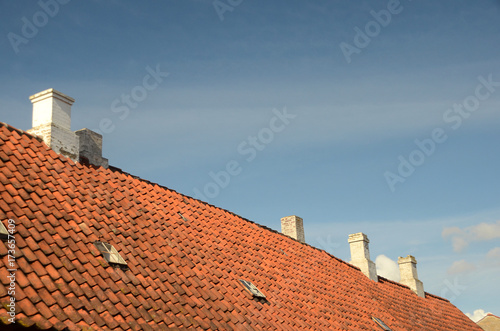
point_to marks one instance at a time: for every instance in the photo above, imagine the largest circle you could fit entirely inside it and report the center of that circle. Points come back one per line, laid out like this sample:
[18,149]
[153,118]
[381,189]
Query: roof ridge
[437,297]
[20,132]
[391,281]
[406,286]
[487,315]
[232,213]
[116,169]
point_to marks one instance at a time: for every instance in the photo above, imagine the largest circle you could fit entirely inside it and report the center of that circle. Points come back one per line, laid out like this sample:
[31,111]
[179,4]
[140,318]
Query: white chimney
[52,122]
[409,276]
[293,226]
[360,255]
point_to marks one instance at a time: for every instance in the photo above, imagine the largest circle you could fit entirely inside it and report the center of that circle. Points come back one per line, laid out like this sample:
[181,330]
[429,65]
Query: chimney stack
[360,255]
[293,226]
[52,122]
[409,276]
[91,148]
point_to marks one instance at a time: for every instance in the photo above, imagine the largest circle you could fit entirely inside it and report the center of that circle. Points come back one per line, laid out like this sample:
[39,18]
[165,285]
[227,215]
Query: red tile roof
[185,259]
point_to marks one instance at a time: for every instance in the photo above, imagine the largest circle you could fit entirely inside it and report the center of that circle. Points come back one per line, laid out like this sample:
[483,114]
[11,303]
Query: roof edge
[427,294]
[116,169]
[20,132]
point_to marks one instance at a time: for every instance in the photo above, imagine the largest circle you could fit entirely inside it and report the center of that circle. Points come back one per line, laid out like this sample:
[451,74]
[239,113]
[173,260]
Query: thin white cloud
[460,267]
[477,315]
[387,268]
[450,231]
[494,253]
[459,244]
[485,231]
[461,238]
[493,258]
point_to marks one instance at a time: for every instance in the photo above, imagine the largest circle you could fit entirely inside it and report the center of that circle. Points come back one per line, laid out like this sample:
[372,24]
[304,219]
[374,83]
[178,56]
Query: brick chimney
[293,226]
[91,148]
[360,255]
[409,276]
[52,122]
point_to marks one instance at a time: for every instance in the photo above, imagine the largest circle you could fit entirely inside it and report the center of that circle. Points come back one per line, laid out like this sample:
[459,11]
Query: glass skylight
[381,324]
[252,289]
[110,253]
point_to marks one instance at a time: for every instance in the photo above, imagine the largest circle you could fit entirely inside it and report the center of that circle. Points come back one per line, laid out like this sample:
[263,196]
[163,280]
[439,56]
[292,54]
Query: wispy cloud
[494,253]
[461,238]
[493,257]
[460,267]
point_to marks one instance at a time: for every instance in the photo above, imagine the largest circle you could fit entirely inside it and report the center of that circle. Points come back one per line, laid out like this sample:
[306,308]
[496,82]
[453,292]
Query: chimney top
[51,107]
[360,236]
[51,93]
[293,226]
[407,259]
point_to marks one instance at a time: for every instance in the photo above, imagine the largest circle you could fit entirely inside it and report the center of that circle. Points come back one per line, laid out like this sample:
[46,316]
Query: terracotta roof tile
[26,306]
[44,310]
[58,313]
[184,258]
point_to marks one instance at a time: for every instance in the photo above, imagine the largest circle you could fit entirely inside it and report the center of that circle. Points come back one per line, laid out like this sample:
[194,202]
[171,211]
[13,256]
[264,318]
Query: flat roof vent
[252,289]
[110,254]
[381,324]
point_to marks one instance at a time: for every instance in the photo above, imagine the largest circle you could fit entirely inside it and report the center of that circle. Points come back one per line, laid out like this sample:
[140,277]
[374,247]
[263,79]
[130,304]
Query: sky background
[355,117]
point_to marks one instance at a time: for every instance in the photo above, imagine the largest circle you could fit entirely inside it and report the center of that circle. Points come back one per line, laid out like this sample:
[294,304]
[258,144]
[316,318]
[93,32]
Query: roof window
[381,324]
[110,254]
[183,218]
[252,289]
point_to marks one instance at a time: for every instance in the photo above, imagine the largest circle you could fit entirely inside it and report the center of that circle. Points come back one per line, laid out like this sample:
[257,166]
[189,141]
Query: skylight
[381,324]
[110,253]
[252,289]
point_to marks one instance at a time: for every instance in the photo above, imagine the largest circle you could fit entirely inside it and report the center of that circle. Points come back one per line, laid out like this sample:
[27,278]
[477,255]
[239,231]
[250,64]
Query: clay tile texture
[184,260]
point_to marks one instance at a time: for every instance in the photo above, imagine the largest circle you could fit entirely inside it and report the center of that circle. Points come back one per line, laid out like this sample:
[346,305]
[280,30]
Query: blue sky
[347,120]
